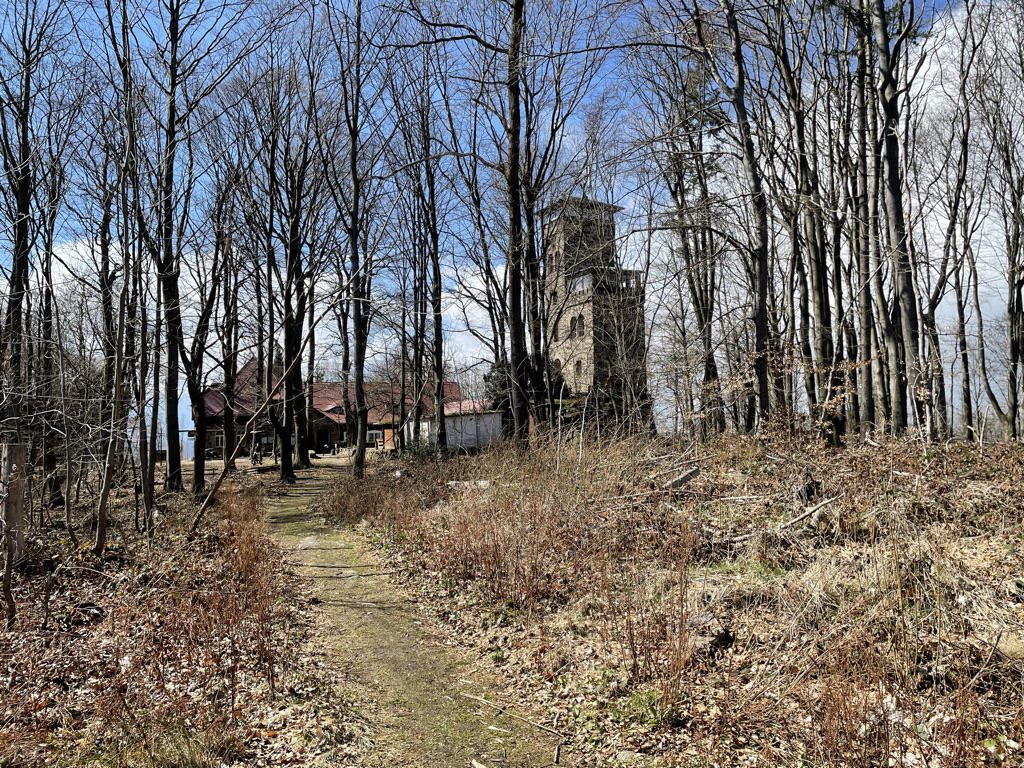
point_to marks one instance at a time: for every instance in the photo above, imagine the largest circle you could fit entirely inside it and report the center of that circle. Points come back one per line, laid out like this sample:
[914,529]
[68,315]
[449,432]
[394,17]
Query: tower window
[554,331]
[572,328]
[579,368]
[579,284]
[581,326]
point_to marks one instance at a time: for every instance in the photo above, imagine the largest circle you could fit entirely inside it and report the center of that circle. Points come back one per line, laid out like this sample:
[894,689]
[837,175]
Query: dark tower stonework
[595,318]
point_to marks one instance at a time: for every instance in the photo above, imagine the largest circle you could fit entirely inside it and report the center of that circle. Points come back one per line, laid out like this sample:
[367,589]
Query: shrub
[869,633]
[168,665]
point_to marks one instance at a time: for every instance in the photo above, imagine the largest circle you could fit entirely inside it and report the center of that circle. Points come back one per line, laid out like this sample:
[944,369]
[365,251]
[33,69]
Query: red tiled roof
[247,398]
[459,407]
[382,398]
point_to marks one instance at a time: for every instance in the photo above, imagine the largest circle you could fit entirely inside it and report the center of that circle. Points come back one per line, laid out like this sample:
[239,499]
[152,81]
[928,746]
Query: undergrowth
[154,655]
[787,605]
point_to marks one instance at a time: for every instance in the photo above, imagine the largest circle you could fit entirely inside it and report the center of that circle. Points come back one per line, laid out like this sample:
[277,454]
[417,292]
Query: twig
[802,516]
[503,710]
[991,653]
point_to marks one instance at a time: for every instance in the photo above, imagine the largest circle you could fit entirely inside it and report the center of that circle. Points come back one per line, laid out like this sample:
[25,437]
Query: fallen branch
[991,653]
[681,480]
[802,516]
[504,711]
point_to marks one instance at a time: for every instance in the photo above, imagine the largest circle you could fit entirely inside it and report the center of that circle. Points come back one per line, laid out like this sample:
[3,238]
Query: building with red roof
[469,425]
[387,412]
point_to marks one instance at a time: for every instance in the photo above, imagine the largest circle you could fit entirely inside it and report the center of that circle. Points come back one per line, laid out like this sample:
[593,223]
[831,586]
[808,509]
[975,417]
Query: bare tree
[356,36]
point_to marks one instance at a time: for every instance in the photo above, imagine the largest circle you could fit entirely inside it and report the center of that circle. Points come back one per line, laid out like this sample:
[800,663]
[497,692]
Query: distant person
[257,455]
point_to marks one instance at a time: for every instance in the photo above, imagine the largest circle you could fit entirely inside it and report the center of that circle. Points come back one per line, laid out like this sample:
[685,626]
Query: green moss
[755,570]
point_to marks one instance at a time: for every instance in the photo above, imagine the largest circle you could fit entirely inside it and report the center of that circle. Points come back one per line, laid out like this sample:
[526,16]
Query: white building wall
[465,431]
[489,429]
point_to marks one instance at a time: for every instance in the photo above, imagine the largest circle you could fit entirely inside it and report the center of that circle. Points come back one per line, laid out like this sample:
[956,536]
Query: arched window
[556,365]
[554,331]
[579,368]
[581,326]
[572,328]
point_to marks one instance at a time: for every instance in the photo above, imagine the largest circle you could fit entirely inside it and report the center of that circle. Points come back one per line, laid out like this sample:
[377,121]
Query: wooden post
[13,458]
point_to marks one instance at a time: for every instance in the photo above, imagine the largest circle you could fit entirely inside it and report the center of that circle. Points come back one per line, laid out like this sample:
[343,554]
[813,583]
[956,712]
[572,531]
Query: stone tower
[595,308]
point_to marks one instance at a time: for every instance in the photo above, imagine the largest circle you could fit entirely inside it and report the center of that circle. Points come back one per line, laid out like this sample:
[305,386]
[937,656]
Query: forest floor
[748,602]
[420,694]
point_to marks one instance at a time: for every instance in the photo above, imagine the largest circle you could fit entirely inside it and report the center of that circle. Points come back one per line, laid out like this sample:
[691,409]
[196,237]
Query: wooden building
[326,420]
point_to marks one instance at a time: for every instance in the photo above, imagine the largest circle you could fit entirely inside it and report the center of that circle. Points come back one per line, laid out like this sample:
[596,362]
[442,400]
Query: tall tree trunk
[863,248]
[906,296]
[53,494]
[966,398]
[893,403]
[20,170]
[516,236]
[759,206]
[437,347]
[310,438]
[113,437]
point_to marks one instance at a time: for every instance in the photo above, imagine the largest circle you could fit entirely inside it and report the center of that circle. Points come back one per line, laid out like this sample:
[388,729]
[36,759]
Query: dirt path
[406,682]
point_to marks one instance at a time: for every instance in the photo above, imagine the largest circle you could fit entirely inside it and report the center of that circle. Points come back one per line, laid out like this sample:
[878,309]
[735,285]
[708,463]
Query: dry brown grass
[886,627]
[389,492]
[170,668]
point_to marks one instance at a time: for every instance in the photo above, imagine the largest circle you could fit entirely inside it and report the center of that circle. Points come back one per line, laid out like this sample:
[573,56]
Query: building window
[581,326]
[579,284]
[572,328]
[218,440]
[554,331]
[579,368]
[556,365]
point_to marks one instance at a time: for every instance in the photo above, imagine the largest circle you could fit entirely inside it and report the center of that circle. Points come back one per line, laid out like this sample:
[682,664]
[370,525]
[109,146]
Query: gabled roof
[247,397]
[463,407]
[382,398]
